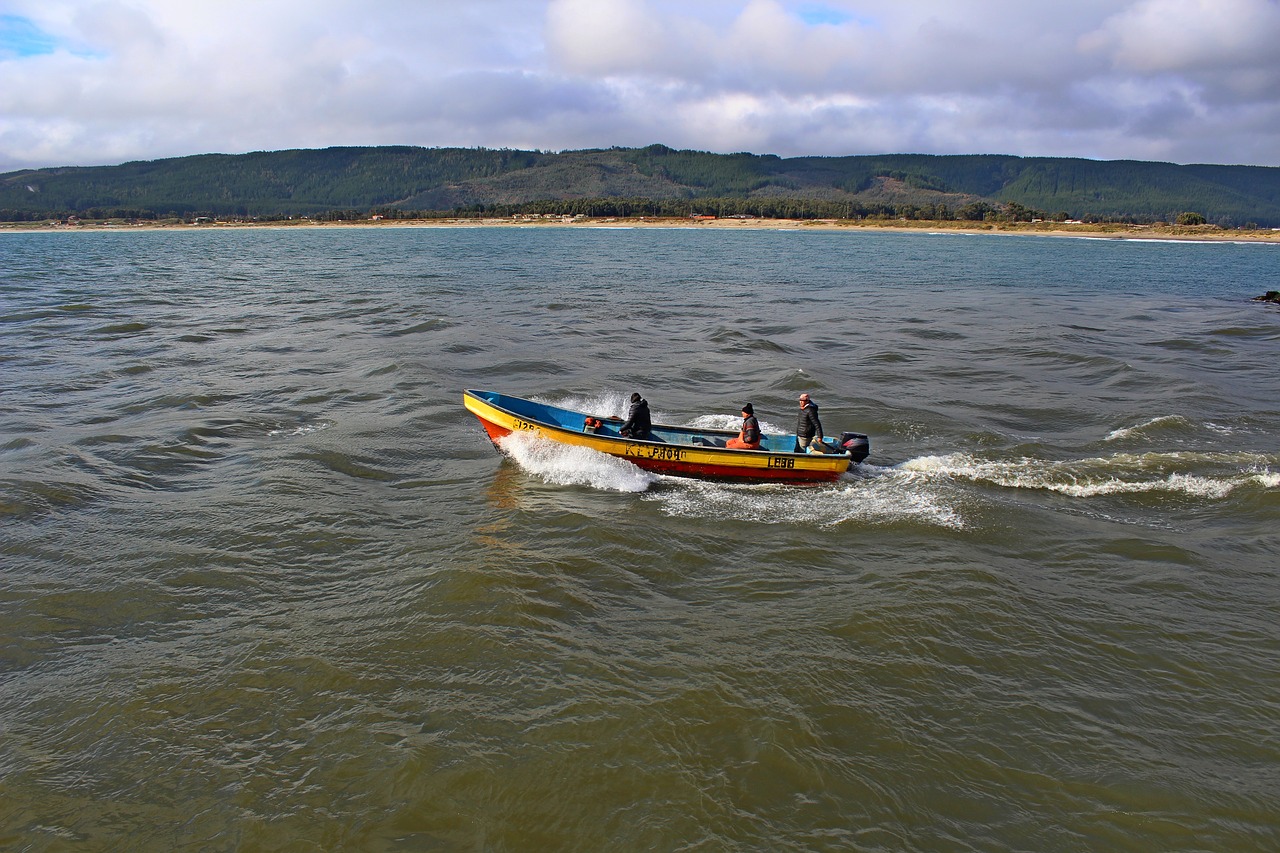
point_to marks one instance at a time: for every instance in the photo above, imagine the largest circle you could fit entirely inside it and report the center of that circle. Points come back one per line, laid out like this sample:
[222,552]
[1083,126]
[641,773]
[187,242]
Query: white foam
[718,422]
[618,403]
[605,405]
[918,491]
[1122,473]
[873,496]
[303,429]
[1204,487]
[565,465]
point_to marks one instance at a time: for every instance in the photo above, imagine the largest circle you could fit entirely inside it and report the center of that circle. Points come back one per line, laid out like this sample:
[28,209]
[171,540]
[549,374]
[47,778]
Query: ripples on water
[266,585]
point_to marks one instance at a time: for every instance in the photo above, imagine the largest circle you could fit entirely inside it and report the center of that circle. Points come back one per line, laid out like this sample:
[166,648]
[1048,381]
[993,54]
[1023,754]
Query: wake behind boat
[676,450]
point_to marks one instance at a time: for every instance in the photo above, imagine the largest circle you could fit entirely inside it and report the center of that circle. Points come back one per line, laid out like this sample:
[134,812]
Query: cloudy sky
[85,82]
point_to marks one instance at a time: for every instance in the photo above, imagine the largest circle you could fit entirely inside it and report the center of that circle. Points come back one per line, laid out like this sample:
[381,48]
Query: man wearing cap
[809,433]
[749,437]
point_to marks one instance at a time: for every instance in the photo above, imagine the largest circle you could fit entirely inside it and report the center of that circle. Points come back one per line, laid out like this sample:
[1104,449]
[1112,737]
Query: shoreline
[1185,233]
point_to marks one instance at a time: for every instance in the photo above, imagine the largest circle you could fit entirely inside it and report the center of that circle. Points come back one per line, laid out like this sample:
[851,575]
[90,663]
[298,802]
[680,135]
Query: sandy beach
[1111,231]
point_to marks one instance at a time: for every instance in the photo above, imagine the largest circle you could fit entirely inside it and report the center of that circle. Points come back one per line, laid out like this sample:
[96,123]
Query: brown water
[264,584]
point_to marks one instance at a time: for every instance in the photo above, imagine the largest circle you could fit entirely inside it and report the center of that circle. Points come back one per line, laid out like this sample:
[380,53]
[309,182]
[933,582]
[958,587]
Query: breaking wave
[1122,473]
[301,429]
[1164,422]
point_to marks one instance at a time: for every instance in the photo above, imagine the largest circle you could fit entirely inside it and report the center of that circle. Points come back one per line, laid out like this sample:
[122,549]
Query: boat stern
[857,445]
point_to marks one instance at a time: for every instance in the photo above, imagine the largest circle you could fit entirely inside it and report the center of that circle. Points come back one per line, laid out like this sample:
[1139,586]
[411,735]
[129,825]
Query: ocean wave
[1162,422]
[1267,479]
[348,465]
[19,443]
[300,429]
[434,325]
[121,329]
[30,498]
[1119,474]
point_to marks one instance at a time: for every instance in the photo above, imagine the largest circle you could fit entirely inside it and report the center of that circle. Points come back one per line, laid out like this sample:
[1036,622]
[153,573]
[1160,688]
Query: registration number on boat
[519,424]
[671,454]
[781,462]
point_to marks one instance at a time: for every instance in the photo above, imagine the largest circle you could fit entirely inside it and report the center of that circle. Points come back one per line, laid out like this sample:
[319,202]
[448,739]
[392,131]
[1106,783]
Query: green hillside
[657,178]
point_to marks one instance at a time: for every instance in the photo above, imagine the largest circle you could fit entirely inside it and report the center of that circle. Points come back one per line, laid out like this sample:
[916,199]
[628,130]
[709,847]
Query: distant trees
[127,214]
[1010,211]
[1190,218]
[341,183]
[975,211]
[1014,212]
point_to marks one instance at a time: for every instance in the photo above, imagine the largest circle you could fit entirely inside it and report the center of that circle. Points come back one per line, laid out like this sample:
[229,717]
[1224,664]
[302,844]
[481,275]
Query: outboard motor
[855,444]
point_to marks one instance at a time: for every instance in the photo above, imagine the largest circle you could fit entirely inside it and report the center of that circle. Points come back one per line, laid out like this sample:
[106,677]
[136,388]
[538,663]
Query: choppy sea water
[265,585]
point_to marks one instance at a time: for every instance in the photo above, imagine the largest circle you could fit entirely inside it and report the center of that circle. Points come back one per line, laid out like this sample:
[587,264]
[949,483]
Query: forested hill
[656,179]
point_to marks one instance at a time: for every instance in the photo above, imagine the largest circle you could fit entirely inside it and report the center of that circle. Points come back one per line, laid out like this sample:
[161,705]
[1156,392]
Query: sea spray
[871,496]
[565,465]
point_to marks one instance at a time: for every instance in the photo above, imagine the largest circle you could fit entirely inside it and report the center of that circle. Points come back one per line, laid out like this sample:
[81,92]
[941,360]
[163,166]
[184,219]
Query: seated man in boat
[638,422]
[749,437]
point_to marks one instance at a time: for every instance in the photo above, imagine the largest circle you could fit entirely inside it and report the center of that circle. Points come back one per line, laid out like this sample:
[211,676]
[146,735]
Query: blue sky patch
[20,37]
[816,13]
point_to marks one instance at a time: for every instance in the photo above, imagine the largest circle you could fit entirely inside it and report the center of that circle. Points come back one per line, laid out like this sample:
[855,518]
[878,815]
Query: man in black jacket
[809,432]
[638,423]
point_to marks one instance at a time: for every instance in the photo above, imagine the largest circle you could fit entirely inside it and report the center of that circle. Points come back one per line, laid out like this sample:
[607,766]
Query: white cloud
[604,37]
[1186,35]
[101,81]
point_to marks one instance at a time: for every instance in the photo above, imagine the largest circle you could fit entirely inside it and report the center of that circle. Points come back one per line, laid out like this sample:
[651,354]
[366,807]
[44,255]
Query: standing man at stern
[809,433]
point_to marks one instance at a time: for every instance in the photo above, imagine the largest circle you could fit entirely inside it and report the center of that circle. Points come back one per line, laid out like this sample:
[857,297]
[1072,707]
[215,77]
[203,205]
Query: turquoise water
[265,585]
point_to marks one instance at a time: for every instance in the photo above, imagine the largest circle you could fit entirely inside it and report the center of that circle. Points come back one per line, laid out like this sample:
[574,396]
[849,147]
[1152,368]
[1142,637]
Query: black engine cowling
[856,444]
